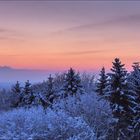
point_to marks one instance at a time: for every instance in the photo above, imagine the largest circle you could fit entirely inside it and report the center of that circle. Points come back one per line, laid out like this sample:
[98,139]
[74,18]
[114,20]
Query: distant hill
[9,75]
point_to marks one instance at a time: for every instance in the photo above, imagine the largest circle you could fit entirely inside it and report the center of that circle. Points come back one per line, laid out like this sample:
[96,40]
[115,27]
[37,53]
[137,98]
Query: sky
[57,35]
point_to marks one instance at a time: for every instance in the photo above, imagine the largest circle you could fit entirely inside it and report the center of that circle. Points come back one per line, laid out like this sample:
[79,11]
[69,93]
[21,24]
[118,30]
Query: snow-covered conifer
[120,98]
[101,84]
[50,90]
[16,90]
[47,97]
[134,85]
[72,84]
[28,96]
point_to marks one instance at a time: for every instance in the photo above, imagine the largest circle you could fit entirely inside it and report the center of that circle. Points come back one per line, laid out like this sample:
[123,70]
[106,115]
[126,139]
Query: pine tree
[28,96]
[120,99]
[101,82]
[134,83]
[72,84]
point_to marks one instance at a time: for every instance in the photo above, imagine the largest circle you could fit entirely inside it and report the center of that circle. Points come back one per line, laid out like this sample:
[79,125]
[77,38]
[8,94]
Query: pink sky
[58,35]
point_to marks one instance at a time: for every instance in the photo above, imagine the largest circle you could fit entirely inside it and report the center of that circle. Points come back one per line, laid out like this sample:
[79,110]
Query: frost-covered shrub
[35,123]
[6,99]
[97,114]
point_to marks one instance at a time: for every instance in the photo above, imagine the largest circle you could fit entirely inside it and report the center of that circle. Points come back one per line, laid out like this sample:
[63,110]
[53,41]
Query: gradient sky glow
[58,35]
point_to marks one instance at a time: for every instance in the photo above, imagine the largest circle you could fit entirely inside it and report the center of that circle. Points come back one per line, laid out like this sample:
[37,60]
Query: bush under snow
[96,113]
[37,124]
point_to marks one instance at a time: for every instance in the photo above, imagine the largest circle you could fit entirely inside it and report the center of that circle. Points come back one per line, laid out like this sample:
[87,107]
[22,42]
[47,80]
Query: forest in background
[74,106]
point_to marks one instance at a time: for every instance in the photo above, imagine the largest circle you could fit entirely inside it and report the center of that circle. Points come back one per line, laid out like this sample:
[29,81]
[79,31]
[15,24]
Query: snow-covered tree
[134,85]
[120,98]
[96,113]
[46,98]
[101,84]
[28,96]
[59,81]
[50,90]
[16,90]
[7,99]
[72,83]
[88,82]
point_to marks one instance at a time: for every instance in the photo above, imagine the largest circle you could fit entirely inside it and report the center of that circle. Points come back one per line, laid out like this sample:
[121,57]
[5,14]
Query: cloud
[83,52]
[114,21]
[3,30]
[11,55]
[129,19]
[7,34]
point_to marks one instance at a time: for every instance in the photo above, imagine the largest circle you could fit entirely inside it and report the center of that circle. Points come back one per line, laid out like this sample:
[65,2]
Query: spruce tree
[28,96]
[120,99]
[72,83]
[134,85]
[50,90]
[101,84]
[16,90]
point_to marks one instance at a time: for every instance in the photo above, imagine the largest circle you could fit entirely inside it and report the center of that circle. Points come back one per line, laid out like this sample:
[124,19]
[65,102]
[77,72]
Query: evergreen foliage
[101,84]
[134,85]
[72,83]
[120,99]
[16,90]
[28,96]
[49,95]
[115,118]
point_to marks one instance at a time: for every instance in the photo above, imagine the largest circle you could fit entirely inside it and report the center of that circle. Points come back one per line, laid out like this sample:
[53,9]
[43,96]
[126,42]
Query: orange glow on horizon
[54,54]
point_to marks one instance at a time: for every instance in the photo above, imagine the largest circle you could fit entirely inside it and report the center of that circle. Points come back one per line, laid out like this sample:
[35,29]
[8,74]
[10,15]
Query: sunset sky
[58,35]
